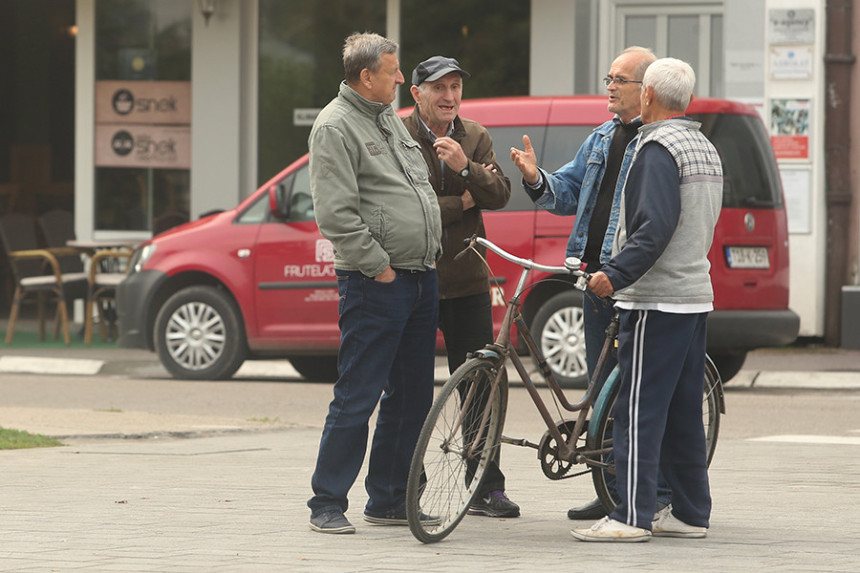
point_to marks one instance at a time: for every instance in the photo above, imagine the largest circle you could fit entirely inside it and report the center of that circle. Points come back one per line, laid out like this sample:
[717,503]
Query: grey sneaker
[332,521]
[610,530]
[398,518]
[667,525]
[494,504]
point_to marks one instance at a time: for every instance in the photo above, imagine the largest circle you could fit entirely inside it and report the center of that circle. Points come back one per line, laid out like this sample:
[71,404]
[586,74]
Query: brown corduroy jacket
[468,275]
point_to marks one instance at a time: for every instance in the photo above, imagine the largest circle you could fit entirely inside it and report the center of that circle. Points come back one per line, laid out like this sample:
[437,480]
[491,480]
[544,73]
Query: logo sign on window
[166,103]
[151,146]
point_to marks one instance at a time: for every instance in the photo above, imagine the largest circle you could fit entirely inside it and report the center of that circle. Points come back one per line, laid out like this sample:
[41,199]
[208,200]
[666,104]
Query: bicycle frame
[502,349]
[463,430]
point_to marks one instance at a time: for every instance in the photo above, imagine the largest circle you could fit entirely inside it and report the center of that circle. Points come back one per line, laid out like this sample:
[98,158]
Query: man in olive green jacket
[373,201]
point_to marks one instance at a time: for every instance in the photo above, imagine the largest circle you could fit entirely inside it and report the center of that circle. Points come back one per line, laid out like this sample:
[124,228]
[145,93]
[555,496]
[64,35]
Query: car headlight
[140,256]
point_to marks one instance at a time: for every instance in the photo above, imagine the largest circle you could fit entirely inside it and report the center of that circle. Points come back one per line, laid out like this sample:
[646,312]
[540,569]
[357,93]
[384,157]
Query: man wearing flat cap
[466,177]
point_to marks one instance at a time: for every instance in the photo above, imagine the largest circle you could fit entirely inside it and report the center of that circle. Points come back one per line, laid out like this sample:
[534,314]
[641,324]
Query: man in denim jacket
[590,188]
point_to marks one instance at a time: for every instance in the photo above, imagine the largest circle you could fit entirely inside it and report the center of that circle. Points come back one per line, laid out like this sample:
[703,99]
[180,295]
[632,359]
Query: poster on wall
[789,128]
[796,187]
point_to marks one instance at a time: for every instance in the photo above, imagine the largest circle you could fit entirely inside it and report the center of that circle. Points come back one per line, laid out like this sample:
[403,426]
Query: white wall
[808,250]
[216,112]
[551,63]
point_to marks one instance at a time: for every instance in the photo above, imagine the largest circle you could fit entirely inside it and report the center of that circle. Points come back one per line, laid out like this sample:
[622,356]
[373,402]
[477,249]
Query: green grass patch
[265,420]
[19,439]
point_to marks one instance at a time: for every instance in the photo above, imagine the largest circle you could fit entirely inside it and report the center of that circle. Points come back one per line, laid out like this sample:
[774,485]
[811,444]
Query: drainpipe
[839,62]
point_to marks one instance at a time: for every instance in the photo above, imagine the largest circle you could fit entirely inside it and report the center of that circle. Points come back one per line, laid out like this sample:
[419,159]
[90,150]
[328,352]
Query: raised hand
[526,161]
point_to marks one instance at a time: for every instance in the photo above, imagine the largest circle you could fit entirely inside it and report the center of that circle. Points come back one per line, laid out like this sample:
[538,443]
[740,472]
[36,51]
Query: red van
[257,281]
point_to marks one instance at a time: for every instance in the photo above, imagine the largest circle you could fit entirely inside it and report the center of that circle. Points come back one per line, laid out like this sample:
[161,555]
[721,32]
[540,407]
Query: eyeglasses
[609,80]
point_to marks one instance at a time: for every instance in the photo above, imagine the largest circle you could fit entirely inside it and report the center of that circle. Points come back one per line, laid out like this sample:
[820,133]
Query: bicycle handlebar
[571,264]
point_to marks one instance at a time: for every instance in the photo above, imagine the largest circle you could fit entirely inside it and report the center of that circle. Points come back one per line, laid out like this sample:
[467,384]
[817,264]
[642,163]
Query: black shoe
[591,510]
[494,504]
[331,522]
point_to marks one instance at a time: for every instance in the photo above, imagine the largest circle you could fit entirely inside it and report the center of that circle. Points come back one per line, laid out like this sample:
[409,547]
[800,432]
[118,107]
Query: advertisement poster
[789,128]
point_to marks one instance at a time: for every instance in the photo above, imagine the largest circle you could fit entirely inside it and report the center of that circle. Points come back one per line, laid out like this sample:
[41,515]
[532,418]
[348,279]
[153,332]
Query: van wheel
[728,364]
[199,334]
[316,368]
[560,334]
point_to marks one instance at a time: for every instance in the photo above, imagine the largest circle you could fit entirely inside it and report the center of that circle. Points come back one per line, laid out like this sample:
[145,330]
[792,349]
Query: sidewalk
[130,492]
[236,503]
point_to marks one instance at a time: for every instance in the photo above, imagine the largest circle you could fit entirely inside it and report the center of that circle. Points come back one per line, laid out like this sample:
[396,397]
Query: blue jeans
[388,346]
[597,313]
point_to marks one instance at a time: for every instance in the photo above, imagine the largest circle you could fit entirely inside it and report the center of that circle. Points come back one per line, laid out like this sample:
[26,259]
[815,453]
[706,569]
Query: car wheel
[728,364]
[199,334]
[316,368]
[560,334]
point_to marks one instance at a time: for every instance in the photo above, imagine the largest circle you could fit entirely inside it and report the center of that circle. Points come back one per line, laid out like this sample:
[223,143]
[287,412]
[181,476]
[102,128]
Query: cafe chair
[37,271]
[106,270]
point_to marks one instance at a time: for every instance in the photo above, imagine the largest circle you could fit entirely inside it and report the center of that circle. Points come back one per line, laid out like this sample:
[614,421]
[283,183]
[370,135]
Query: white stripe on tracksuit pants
[658,416]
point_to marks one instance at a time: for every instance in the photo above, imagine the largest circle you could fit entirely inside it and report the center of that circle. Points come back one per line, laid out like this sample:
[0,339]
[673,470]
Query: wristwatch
[464,172]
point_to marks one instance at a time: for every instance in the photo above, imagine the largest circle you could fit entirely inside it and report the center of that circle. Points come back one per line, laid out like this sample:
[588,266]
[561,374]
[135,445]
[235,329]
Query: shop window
[143,113]
[300,69]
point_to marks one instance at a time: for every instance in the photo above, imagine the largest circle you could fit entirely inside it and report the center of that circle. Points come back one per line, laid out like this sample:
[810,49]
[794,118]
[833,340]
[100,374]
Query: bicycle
[463,430]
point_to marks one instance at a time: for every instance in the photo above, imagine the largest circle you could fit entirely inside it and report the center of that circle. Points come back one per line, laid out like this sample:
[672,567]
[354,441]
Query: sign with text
[145,102]
[794,26]
[143,146]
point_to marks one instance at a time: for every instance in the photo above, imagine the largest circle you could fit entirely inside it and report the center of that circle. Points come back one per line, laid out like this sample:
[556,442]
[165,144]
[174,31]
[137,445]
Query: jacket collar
[362,104]
[457,134]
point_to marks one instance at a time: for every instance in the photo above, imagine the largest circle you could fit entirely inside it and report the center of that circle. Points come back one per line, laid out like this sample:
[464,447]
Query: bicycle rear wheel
[461,435]
[604,478]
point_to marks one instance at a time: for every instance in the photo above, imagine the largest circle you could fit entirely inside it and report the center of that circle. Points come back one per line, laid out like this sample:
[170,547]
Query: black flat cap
[434,68]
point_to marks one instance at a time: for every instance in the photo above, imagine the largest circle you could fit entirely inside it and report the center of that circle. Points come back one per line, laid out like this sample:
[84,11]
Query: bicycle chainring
[548,452]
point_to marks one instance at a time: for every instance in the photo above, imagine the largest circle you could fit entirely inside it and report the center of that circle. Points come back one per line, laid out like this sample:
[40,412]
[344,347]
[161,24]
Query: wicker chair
[104,274]
[37,271]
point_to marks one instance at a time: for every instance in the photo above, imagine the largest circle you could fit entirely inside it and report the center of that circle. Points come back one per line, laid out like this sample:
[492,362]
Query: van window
[750,176]
[503,139]
[257,212]
[301,201]
[562,143]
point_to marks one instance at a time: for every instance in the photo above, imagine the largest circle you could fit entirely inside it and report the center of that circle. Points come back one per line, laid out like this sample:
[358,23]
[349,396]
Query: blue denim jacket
[573,189]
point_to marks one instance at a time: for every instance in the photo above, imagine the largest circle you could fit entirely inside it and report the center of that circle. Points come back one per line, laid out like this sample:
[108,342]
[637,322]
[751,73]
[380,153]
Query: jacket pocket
[377,224]
[413,160]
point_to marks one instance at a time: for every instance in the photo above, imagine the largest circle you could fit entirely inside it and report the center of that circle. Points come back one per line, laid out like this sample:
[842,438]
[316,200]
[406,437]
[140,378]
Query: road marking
[808,439]
[31,365]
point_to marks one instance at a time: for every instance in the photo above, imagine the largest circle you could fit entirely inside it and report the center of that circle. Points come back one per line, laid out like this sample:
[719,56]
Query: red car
[257,281]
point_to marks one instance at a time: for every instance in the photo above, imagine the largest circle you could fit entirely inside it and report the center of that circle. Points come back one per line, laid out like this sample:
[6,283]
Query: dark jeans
[388,349]
[597,313]
[467,325]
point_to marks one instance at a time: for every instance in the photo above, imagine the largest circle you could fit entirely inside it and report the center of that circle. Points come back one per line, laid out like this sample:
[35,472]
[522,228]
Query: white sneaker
[667,525]
[610,530]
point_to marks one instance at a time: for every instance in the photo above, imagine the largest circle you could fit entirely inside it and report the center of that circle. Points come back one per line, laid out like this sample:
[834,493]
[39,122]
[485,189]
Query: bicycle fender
[603,399]
[486,353]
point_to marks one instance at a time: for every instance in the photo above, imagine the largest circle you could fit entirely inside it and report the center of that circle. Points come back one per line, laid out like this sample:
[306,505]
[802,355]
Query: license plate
[747,257]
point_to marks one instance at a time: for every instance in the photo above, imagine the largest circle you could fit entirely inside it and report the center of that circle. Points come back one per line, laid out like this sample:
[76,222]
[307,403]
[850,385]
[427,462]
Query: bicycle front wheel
[461,435]
[601,440]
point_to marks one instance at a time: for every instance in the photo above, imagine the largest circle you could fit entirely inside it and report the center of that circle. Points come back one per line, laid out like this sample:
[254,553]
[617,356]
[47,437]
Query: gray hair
[364,50]
[648,58]
[673,81]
